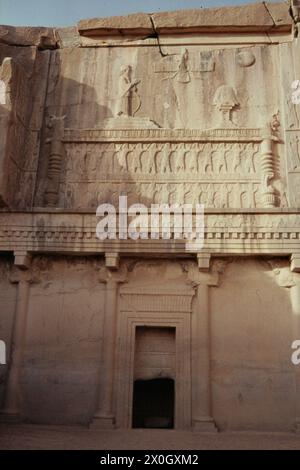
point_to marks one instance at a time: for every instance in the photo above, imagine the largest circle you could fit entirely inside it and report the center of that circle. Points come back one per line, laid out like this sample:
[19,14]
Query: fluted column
[201,376]
[295,300]
[105,416]
[12,410]
[268,172]
[202,279]
[287,277]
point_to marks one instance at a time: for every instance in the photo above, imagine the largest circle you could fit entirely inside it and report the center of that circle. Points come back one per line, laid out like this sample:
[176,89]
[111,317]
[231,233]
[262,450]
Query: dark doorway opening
[153,404]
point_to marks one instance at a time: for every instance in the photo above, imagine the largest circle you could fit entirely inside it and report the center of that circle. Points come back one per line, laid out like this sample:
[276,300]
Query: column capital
[204,260]
[210,277]
[18,275]
[118,276]
[283,273]
[112,260]
[295,263]
[22,259]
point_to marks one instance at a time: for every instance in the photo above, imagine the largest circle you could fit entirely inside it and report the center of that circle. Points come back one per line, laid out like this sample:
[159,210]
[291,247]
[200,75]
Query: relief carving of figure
[190,159]
[165,163]
[208,166]
[188,197]
[91,161]
[293,101]
[108,158]
[80,162]
[177,162]
[131,163]
[243,198]
[284,199]
[248,162]
[200,150]
[183,75]
[221,160]
[295,151]
[165,194]
[210,196]
[173,196]
[148,159]
[293,119]
[237,160]
[225,190]
[129,100]
[122,157]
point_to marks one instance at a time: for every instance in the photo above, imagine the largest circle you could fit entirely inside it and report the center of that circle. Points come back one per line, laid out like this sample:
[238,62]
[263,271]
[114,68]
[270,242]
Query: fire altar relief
[224,167]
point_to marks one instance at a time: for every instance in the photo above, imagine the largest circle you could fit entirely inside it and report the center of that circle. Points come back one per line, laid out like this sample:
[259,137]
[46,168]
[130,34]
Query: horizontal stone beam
[264,16]
[234,233]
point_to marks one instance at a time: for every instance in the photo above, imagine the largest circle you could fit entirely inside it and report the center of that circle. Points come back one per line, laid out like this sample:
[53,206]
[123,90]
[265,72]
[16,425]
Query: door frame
[160,310]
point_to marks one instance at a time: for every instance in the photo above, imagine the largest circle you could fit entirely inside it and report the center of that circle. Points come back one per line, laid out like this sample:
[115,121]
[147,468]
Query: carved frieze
[221,168]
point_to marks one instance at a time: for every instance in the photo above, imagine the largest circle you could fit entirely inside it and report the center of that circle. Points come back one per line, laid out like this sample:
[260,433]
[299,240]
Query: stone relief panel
[142,136]
[176,91]
[233,174]
[232,160]
[290,75]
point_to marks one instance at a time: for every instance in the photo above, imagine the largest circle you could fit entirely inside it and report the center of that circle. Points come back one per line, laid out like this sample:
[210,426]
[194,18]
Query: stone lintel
[253,17]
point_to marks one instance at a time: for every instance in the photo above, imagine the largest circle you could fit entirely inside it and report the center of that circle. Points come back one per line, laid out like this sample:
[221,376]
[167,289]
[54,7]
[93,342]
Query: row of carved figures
[234,195]
[90,162]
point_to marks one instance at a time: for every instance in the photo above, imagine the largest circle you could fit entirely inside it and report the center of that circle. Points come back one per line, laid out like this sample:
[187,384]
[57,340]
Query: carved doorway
[150,320]
[154,377]
[153,404]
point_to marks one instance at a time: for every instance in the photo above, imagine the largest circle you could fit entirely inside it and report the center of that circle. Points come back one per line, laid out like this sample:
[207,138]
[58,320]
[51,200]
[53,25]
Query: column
[268,172]
[201,353]
[12,411]
[105,416]
[295,300]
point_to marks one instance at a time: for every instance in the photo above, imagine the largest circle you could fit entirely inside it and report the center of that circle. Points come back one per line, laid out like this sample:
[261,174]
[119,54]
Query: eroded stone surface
[259,17]
[139,106]
[136,23]
[43,38]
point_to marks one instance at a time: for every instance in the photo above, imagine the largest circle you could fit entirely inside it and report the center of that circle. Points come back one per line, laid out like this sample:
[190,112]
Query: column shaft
[12,405]
[202,419]
[104,415]
[295,298]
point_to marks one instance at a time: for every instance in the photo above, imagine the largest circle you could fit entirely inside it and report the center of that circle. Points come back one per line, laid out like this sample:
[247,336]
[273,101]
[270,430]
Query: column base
[103,422]
[10,418]
[204,425]
[297,427]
